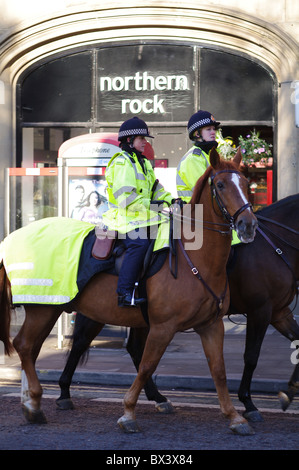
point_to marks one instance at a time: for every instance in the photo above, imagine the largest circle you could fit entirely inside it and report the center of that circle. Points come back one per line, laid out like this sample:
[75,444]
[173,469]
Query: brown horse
[189,300]
[263,280]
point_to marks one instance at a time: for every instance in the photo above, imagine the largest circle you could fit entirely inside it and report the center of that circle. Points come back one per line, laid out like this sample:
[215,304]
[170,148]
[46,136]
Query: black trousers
[136,243]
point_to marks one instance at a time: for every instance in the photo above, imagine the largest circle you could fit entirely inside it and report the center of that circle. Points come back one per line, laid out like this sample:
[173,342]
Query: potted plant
[256,151]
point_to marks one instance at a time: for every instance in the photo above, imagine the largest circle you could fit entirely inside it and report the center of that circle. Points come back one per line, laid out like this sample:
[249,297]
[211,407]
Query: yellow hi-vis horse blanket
[42,259]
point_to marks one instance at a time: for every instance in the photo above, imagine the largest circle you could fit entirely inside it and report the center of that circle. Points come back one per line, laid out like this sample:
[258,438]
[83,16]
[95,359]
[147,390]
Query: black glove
[178,201]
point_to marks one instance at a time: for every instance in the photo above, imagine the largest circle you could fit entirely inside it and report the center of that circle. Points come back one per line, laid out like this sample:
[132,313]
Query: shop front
[84,69]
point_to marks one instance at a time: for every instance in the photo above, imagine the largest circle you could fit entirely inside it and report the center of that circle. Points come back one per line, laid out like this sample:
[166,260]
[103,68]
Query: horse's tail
[5,310]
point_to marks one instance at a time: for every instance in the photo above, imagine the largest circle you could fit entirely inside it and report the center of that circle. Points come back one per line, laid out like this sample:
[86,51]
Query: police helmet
[132,128]
[199,120]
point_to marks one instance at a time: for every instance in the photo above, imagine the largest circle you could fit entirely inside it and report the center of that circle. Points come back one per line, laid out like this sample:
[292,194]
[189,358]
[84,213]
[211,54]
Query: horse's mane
[200,184]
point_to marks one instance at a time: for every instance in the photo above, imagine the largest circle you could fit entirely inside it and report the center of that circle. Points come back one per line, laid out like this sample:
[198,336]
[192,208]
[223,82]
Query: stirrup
[127,300]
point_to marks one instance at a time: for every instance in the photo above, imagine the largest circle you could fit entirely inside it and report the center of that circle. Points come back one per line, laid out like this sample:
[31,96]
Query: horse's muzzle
[246,227]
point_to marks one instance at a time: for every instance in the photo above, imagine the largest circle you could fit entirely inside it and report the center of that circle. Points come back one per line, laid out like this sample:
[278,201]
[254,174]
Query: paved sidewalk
[183,365]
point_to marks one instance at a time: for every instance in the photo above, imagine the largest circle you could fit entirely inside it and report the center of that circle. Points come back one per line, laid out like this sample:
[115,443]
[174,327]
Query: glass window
[32,197]
[235,88]
[41,144]
[59,91]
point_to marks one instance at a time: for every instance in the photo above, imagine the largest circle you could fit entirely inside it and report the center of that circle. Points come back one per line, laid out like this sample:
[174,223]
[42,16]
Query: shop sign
[154,82]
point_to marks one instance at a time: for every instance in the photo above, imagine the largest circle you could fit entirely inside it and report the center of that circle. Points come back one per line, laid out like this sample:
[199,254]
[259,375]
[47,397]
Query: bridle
[231,219]
[216,196]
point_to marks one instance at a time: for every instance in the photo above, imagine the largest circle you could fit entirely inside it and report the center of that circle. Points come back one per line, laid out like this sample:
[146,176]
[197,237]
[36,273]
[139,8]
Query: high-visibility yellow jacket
[191,167]
[130,193]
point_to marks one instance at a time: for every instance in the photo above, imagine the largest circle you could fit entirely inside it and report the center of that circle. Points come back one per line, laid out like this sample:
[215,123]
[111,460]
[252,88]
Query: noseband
[215,195]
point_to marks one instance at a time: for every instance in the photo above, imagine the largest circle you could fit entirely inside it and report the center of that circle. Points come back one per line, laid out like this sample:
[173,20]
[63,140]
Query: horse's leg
[287,397]
[257,324]
[135,347]
[289,328]
[212,341]
[37,326]
[157,341]
[85,331]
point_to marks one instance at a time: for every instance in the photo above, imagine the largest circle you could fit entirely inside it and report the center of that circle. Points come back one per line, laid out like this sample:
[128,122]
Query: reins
[182,217]
[278,250]
[289,229]
[195,272]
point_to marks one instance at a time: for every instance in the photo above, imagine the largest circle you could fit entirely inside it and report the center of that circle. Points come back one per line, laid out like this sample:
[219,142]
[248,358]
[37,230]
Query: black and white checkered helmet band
[201,123]
[129,132]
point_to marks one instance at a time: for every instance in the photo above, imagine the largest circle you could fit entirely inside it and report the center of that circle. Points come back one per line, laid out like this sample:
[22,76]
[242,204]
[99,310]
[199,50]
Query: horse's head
[230,191]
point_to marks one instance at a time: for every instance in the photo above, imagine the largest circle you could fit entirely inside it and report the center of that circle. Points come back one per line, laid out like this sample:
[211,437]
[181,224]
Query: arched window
[97,89]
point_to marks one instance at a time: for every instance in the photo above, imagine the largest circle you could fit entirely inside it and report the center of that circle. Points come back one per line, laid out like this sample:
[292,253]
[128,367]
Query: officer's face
[208,133]
[139,143]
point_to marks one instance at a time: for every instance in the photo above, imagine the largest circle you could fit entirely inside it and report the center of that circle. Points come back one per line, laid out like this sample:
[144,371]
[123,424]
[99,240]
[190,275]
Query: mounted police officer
[202,128]
[202,131]
[132,186]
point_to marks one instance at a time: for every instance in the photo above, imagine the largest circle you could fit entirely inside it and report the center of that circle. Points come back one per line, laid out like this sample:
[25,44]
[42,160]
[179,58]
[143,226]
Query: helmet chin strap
[131,141]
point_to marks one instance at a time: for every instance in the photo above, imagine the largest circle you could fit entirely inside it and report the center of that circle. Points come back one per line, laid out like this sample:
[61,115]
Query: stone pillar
[6,139]
[287,142]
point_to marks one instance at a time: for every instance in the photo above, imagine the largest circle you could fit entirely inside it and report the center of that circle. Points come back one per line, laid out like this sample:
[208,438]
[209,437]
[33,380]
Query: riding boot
[128,300]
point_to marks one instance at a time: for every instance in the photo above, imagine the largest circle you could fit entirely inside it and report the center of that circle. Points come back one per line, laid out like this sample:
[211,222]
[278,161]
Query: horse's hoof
[242,429]
[284,401]
[34,416]
[253,416]
[165,407]
[128,425]
[65,404]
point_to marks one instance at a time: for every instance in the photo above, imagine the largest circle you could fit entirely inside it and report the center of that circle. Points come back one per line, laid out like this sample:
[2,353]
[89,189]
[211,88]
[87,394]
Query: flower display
[254,149]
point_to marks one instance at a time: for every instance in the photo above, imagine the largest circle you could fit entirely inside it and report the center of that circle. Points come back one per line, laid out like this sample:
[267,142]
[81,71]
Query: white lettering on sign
[144,82]
[147,106]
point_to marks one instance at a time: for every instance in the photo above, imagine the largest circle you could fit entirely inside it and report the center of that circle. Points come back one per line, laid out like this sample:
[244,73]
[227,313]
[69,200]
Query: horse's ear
[238,157]
[214,158]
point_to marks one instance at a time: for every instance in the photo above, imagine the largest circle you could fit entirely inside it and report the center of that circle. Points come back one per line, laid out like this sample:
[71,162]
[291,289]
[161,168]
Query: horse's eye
[220,185]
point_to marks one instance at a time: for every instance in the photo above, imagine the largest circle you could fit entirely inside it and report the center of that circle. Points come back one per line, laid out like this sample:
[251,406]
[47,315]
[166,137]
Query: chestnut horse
[263,278]
[189,300]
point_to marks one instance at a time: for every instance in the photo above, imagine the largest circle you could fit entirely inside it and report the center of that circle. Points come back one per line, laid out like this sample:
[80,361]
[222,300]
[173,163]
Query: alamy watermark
[2,353]
[295,100]
[187,224]
[295,354]
[295,93]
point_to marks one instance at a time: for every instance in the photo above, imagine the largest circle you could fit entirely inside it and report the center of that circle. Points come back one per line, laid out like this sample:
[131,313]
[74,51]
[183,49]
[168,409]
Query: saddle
[107,246]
